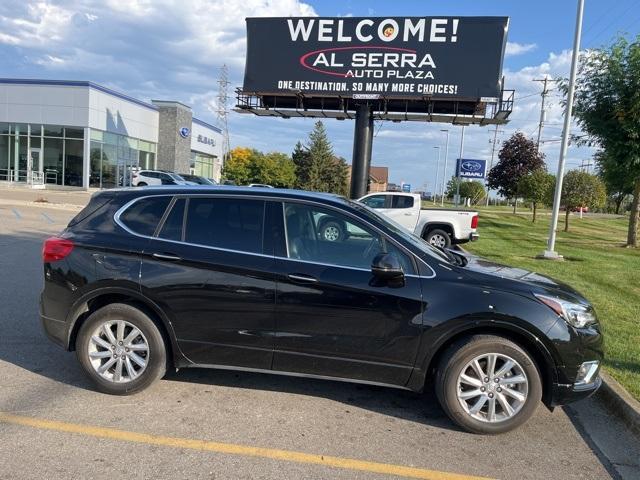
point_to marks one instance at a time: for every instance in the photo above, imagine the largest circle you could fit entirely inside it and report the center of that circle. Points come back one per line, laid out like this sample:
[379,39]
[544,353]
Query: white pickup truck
[441,227]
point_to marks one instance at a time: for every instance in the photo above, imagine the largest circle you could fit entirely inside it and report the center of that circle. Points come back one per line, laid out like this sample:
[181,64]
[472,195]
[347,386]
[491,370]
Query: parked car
[260,185]
[142,178]
[198,180]
[142,280]
[441,227]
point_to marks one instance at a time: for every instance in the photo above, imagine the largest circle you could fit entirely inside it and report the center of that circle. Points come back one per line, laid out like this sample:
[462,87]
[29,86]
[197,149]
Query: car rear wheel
[438,238]
[121,349]
[141,184]
[488,384]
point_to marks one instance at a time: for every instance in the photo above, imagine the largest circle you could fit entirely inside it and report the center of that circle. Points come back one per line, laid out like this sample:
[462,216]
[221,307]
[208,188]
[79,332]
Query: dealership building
[78,134]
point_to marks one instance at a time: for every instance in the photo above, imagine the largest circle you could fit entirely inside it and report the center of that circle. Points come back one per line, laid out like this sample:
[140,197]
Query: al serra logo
[368,60]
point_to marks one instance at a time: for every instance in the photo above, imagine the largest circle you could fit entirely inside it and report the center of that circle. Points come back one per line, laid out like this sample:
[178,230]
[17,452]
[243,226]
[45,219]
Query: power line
[600,32]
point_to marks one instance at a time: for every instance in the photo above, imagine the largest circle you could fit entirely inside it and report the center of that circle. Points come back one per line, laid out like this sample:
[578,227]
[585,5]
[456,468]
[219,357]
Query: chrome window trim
[121,210]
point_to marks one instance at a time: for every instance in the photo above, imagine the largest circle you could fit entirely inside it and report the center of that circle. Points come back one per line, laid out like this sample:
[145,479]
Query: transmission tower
[223,98]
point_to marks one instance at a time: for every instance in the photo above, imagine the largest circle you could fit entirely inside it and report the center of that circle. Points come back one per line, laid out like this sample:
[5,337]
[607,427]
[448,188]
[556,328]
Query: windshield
[409,236]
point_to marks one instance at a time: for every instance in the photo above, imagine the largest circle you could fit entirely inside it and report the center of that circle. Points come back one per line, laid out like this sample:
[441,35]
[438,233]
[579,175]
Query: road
[220,424]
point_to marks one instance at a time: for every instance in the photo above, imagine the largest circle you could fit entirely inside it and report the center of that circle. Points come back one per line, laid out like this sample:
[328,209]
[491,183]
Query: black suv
[152,278]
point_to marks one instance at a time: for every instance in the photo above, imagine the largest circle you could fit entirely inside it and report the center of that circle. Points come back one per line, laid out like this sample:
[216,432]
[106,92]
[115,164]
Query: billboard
[470,168]
[370,58]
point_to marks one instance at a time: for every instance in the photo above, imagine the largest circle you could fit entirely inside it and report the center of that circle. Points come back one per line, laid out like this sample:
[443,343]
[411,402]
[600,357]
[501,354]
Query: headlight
[575,314]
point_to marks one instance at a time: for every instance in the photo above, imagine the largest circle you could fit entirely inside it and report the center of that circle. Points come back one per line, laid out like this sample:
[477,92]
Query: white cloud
[514,48]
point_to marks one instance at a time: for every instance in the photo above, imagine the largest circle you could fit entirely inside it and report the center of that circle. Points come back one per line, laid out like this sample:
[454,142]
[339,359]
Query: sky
[173,50]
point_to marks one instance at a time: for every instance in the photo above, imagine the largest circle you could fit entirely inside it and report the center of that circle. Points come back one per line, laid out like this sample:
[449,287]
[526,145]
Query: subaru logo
[184,132]
[471,166]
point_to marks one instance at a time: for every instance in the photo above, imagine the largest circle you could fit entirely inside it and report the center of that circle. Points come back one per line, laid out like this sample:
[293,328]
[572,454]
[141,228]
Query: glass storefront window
[4,157]
[53,131]
[5,128]
[73,132]
[95,156]
[109,166]
[73,153]
[53,160]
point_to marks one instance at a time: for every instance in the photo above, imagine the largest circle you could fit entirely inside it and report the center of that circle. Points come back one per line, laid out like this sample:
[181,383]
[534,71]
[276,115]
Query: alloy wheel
[331,233]
[492,387]
[118,351]
[438,240]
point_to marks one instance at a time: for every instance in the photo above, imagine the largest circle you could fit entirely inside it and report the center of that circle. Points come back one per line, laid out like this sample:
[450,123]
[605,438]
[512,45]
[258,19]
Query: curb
[619,401]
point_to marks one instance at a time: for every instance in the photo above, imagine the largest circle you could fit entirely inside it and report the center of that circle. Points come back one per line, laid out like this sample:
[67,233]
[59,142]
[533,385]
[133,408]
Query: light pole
[446,158]
[435,192]
[550,253]
[493,152]
[457,169]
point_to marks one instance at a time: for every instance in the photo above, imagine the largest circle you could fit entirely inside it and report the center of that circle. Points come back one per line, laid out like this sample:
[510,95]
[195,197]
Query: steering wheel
[369,250]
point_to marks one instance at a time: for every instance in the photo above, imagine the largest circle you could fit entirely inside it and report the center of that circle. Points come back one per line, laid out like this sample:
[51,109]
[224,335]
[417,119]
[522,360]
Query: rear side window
[144,215]
[376,201]
[402,201]
[235,224]
[172,227]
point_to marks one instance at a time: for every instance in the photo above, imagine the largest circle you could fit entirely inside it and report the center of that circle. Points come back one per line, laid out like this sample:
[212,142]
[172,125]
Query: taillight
[474,221]
[56,248]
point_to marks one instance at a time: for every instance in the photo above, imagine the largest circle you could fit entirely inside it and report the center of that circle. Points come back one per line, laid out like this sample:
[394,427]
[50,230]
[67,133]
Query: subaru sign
[184,132]
[406,187]
[469,168]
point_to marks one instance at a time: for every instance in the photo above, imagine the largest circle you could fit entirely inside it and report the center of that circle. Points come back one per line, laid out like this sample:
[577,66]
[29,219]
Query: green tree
[473,190]
[537,187]
[607,107]
[581,189]
[302,161]
[518,157]
[327,173]
[248,165]
[619,184]
[237,168]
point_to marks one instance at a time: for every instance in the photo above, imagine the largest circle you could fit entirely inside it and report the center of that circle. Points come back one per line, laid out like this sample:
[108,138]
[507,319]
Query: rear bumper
[56,330]
[471,238]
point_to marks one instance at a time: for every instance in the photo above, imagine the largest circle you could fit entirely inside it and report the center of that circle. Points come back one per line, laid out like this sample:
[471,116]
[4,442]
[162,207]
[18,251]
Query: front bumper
[564,394]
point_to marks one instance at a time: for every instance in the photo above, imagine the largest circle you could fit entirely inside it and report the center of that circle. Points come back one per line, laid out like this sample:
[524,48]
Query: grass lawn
[595,264]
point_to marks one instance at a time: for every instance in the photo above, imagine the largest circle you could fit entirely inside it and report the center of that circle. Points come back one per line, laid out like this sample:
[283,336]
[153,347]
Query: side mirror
[387,266]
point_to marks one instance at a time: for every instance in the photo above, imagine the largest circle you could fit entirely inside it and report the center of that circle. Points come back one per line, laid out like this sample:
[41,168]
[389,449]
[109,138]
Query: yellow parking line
[234,449]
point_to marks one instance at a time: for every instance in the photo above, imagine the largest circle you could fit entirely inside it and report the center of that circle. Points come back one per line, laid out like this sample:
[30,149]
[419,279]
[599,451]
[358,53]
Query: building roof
[379,174]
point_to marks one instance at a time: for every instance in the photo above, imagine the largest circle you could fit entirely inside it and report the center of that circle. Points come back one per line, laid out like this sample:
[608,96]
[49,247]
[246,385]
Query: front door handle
[166,256]
[302,278]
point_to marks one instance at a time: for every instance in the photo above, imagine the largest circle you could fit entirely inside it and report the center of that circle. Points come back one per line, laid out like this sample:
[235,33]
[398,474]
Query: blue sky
[168,49]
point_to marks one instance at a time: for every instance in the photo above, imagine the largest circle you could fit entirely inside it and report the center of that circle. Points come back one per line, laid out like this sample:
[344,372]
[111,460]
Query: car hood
[513,278]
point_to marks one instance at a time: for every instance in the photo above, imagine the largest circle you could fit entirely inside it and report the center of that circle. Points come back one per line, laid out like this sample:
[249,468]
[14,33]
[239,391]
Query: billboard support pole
[362,146]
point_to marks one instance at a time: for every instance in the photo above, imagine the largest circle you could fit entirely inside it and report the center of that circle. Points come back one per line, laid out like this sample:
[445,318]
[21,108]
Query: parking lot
[221,424]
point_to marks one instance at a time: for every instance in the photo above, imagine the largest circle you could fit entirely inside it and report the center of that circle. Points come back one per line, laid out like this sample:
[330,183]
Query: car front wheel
[121,349]
[488,384]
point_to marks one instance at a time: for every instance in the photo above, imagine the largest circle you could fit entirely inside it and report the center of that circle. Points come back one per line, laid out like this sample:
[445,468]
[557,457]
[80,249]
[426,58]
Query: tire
[141,184]
[448,385]
[438,238]
[93,355]
[332,231]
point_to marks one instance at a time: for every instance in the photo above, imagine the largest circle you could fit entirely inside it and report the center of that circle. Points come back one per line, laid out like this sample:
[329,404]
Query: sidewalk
[50,198]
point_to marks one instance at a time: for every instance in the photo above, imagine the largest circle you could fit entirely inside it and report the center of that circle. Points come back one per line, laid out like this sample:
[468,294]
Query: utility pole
[543,113]
[435,192]
[446,158]
[550,252]
[493,153]
[585,166]
[457,169]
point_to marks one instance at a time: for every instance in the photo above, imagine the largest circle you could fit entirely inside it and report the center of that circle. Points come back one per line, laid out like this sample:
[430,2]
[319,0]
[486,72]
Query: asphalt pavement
[199,423]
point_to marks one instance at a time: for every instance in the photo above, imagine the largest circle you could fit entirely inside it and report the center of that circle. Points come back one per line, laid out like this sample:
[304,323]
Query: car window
[315,234]
[402,201]
[172,226]
[149,174]
[144,215]
[235,224]
[375,201]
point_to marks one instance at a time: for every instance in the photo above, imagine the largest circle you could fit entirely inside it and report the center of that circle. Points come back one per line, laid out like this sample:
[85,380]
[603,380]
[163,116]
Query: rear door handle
[166,256]
[302,278]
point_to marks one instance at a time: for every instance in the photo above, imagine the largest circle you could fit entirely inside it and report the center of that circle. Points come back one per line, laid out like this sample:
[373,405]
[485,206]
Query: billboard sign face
[469,168]
[406,187]
[369,58]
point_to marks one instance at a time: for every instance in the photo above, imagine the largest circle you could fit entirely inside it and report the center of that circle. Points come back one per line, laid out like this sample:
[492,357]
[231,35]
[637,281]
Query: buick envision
[143,280]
